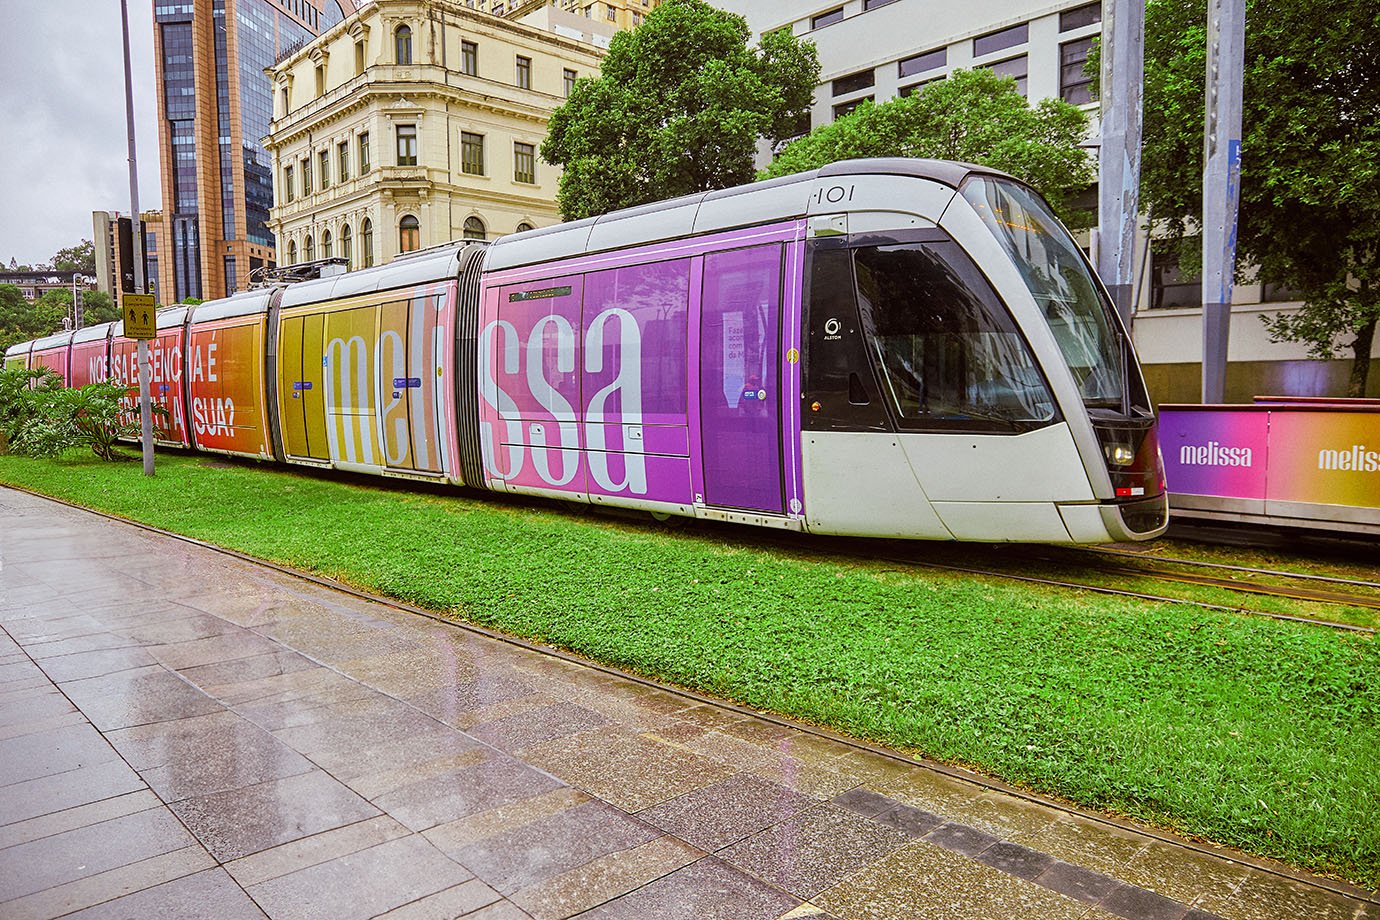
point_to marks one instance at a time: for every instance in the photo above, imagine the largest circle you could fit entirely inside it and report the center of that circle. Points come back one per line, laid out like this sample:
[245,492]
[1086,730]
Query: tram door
[740,399]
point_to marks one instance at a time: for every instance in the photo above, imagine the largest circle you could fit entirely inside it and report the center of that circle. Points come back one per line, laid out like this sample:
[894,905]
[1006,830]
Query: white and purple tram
[899,348]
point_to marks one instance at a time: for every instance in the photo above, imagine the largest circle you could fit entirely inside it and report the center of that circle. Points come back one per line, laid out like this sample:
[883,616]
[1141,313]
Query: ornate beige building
[415,122]
[620,14]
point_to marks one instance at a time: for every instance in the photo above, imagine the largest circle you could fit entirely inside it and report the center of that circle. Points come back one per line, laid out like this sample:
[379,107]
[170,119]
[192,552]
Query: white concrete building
[880,49]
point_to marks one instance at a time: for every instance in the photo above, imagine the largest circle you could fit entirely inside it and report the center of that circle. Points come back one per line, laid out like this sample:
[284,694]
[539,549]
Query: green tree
[22,392]
[678,107]
[98,307]
[191,300]
[78,258]
[52,308]
[21,321]
[1310,157]
[974,116]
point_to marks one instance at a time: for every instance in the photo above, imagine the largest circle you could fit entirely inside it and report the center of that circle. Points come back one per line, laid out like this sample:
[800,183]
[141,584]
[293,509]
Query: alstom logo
[1358,459]
[1214,454]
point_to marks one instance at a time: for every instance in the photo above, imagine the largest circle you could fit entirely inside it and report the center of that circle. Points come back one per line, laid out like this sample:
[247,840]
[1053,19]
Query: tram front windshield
[1057,274]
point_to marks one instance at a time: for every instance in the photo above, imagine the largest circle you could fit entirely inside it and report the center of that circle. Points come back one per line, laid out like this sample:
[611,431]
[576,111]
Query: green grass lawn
[1247,731]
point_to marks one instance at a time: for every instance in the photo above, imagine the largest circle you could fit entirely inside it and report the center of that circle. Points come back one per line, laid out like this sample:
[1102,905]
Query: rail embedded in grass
[1250,732]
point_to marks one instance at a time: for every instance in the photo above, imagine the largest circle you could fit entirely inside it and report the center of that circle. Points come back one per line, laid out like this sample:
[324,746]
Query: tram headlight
[1119,444]
[1131,451]
[1120,454]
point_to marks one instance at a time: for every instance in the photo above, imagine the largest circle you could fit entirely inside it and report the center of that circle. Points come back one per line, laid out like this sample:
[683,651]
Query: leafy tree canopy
[678,107]
[975,116]
[21,321]
[78,258]
[98,307]
[1310,167]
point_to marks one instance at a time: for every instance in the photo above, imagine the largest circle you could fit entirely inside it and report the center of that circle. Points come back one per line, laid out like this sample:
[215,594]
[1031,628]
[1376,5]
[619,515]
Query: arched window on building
[524,227]
[292,252]
[347,246]
[402,45]
[366,242]
[326,244]
[474,229]
[309,248]
[409,234]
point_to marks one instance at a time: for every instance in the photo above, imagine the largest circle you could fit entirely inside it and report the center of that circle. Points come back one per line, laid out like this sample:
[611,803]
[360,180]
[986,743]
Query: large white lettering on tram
[554,443]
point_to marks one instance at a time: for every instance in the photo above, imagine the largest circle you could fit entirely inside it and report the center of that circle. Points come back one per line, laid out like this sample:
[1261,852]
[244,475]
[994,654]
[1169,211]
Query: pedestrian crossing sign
[141,319]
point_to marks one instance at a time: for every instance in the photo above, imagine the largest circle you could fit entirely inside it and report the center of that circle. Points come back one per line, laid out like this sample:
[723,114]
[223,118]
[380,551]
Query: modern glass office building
[214,108]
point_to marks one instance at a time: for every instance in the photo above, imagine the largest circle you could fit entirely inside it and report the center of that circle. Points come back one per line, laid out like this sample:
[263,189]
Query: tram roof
[705,212]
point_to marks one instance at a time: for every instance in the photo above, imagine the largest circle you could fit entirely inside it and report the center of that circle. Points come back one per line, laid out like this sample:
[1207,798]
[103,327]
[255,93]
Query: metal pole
[1118,158]
[1226,40]
[145,370]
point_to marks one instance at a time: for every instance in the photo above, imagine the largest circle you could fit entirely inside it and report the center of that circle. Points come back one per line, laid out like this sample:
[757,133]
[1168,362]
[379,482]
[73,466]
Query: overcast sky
[62,120]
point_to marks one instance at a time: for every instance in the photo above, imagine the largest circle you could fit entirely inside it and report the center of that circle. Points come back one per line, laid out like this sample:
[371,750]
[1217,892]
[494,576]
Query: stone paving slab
[186,734]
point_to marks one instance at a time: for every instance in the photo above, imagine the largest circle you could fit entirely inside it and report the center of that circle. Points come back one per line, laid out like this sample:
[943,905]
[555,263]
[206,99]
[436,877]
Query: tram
[887,347]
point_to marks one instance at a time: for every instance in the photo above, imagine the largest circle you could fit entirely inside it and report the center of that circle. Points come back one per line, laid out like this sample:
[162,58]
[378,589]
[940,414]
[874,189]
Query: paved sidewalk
[184,734]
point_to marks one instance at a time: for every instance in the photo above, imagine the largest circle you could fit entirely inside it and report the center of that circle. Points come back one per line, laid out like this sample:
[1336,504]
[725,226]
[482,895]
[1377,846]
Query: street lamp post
[1226,39]
[1118,188]
[145,407]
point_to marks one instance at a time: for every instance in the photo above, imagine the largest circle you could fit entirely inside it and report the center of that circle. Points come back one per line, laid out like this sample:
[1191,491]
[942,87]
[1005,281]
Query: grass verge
[1250,732]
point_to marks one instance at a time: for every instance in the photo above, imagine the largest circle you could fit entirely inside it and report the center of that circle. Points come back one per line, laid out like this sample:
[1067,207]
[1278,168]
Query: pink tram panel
[90,355]
[662,376]
[166,354]
[51,352]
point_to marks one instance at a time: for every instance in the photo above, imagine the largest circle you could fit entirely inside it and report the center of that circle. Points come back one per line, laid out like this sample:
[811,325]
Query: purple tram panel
[635,327]
[659,374]
[740,393]
[583,383]
[533,352]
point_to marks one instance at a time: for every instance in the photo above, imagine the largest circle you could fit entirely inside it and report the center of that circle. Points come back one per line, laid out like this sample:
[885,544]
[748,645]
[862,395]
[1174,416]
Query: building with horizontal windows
[414,123]
[214,106]
[37,282]
[613,14]
[881,49]
[114,245]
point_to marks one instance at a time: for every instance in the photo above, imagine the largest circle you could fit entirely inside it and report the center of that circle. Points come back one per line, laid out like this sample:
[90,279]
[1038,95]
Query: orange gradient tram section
[90,356]
[226,347]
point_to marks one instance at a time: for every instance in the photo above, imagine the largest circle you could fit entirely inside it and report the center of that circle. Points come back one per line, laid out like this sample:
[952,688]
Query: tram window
[947,353]
[1061,281]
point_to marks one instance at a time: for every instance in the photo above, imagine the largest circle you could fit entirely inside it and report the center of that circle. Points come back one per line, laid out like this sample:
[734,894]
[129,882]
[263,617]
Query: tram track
[1076,565]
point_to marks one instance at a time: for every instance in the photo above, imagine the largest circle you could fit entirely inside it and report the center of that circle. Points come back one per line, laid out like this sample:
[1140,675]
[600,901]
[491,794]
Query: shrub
[40,418]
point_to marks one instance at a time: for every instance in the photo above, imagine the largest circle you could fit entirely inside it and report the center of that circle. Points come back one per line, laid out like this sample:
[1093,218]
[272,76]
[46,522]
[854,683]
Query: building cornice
[393,10]
[373,94]
[400,189]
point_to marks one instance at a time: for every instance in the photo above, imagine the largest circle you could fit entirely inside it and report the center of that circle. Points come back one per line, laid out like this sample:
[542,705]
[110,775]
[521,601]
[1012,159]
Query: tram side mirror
[857,395]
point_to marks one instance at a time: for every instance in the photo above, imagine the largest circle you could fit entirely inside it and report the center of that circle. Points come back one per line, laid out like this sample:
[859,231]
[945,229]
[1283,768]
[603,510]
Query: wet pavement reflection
[185,734]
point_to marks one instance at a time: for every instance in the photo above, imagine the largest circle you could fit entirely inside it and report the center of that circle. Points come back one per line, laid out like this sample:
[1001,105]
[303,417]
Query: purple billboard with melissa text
[1212,451]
